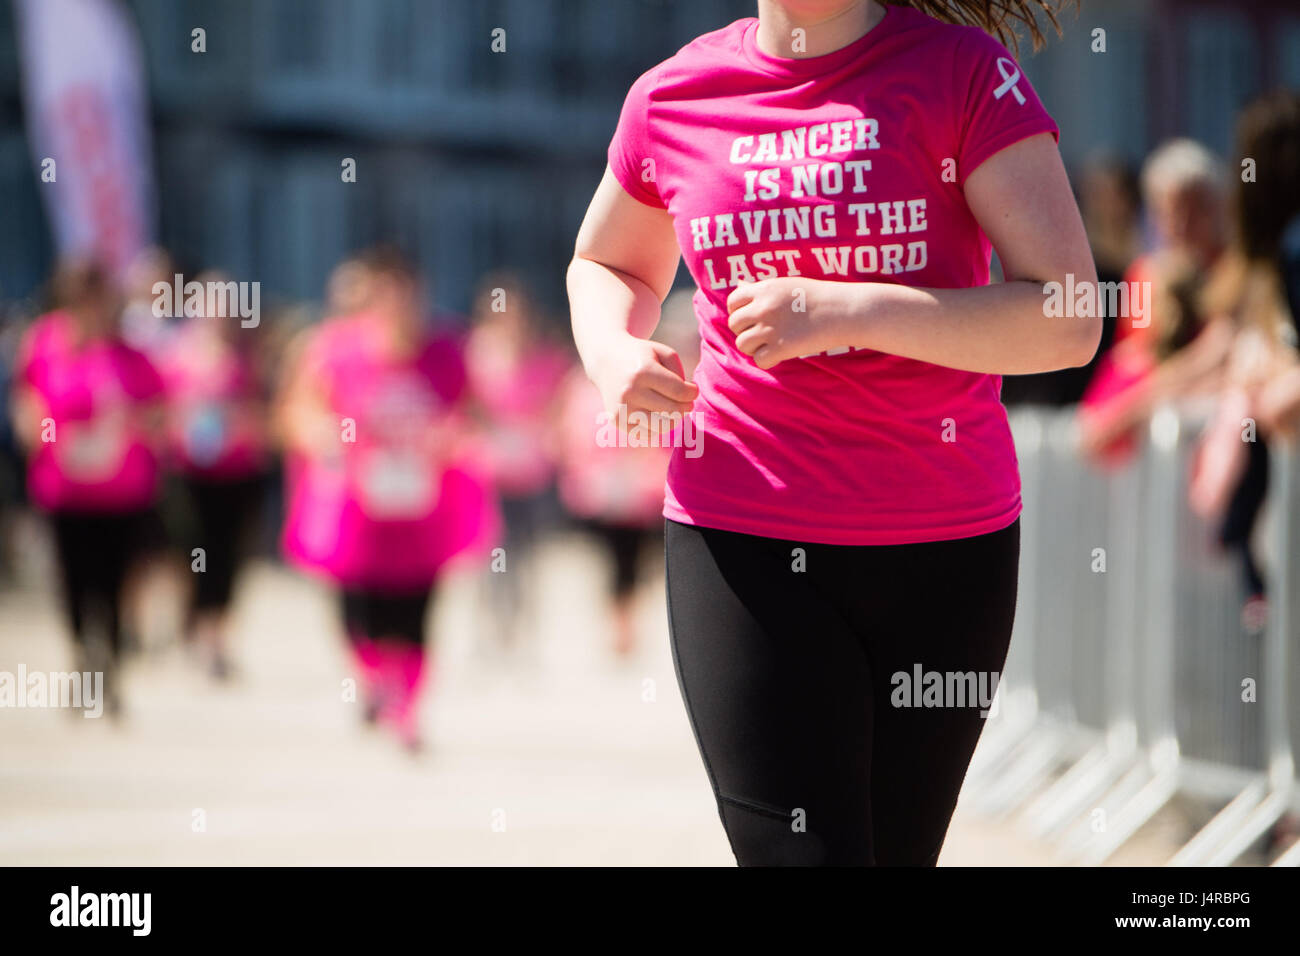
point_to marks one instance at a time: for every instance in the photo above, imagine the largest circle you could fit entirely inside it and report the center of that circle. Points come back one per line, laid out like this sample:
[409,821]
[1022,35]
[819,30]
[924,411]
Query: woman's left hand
[792,317]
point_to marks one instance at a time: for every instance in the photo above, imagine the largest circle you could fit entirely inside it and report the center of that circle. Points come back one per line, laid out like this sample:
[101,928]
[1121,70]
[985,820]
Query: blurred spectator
[1243,354]
[1184,185]
[1269,214]
[1111,205]
[1248,296]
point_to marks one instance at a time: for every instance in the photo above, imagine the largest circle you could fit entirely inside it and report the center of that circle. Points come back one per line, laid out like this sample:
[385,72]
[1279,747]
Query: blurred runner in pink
[85,405]
[383,499]
[514,377]
[217,442]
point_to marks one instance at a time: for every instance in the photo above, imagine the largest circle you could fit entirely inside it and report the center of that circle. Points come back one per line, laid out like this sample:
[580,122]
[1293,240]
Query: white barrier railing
[1131,679]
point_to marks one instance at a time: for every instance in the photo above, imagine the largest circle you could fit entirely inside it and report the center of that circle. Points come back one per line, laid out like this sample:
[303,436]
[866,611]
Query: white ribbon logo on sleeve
[1010,77]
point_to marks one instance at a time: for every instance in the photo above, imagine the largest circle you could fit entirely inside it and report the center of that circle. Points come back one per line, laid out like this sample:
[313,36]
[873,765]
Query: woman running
[380,503]
[217,442]
[835,173]
[85,406]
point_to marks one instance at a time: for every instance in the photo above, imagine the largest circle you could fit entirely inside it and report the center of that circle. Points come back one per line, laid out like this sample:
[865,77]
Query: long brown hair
[1247,283]
[1002,18]
[1268,133]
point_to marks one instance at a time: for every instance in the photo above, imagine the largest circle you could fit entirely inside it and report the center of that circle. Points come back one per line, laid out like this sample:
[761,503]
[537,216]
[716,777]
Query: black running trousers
[95,552]
[787,655]
[223,514]
[381,615]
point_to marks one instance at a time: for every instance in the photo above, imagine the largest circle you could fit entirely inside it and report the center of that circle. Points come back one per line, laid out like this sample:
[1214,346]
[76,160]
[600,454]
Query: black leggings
[223,514]
[379,615]
[624,545]
[791,681]
[95,551]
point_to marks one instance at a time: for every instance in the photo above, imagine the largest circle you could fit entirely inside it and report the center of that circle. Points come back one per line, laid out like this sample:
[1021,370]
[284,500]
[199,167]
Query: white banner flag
[88,125]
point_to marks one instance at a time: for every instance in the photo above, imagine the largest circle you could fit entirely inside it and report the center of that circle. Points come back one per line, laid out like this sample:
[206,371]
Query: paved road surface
[561,756]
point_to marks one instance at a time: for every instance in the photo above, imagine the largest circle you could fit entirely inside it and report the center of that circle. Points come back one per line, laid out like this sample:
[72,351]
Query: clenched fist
[779,319]
[643,376]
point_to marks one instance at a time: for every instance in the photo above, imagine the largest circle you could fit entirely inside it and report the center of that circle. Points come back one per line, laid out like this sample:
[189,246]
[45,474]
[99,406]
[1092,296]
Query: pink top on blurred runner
[514,402]
[214,426]
[847,167]
[388,509]
[605,482]
[95,457]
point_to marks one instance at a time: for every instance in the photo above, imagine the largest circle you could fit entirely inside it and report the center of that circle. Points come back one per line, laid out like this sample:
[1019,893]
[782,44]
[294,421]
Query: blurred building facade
[475,159]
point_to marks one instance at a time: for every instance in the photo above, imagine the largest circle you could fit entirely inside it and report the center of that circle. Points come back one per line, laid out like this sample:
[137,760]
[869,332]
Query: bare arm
[622,270]
[300,416]
[1022,200]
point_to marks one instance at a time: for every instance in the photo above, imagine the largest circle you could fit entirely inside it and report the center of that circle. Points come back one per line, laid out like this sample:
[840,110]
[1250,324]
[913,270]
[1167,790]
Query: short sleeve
[631,158]
[997,105]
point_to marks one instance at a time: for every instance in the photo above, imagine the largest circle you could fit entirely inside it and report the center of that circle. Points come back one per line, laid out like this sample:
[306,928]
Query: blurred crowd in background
[376,442]
[1206,254]
[375,446]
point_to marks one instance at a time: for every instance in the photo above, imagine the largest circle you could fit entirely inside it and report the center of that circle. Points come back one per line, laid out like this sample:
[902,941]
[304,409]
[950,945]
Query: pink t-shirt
[848,167]
[390,509]
[214,415]
[94,456]
[513,403]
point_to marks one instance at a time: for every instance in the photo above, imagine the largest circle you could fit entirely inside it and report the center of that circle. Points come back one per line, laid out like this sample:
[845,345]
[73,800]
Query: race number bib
[513,447]
[205,434]
[397,485]
[92,452]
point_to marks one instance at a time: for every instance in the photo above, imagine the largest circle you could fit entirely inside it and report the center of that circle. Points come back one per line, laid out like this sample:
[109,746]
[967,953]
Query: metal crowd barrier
[1129,679]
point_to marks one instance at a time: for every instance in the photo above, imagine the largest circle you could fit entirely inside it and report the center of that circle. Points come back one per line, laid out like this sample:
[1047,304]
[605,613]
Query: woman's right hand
[624,263]
[642,376]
